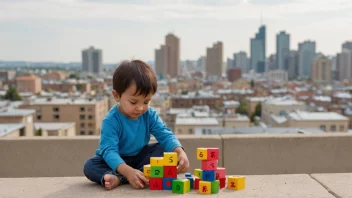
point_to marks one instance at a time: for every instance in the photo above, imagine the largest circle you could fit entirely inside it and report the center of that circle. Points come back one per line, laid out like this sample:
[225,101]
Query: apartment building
[16,122]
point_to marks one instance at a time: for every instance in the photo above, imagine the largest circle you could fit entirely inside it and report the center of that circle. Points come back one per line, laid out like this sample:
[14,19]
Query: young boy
[126,130]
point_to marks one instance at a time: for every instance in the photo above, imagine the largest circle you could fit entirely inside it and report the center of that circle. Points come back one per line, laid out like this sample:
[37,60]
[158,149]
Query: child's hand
[136,178]
[183,163]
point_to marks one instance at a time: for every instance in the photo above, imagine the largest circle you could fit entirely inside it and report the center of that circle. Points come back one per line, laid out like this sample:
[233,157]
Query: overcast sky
[38,30]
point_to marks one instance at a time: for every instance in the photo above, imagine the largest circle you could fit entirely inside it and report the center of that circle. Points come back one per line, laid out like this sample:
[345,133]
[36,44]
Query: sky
[53,30]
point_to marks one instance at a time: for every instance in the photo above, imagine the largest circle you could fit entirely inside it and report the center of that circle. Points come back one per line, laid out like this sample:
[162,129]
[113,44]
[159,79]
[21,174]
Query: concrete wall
[239,154]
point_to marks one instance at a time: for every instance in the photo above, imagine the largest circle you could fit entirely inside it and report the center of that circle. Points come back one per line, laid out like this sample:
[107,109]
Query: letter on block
[222,182]
[209,165]
[180,186]
[146,170]
[170,159]
[167,183]
[156,171]
[156,161]
[198,173]
[236,182]
[215,185]
[213,153]
[204,187]
[170,172]
[155,183]
[208,175]
[196,183]
[220,173]
[202,154]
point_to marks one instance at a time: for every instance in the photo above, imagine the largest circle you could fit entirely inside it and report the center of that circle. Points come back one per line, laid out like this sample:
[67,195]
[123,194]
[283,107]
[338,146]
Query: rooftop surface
[298,185]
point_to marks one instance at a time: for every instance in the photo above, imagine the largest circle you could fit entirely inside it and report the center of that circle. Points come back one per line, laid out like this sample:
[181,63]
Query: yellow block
[170,159]
[146,170]
[156,161]
[187,186]
[202,154]
[198,173]
[236,182]
[204,187]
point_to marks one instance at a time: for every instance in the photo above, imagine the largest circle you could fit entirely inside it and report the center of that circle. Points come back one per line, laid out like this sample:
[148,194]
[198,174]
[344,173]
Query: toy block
[146,170]
[213,153]
[156,171]
[209,165]
[222,182]
[204,187]
[220,173]
[188,175]
[208,175]
[170,159]
[191,182]
[198,173]
[167,183]
[156,183]
[180,186]
[170,172]
[202,154]
[196,183]
[215,185]
[236,182]
[156,161]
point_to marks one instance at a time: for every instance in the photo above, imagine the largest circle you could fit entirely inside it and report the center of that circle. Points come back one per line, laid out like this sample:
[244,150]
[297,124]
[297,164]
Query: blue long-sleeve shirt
[121,136]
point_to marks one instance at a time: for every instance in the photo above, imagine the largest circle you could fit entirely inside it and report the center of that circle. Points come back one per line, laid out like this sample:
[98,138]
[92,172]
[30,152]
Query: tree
[12,94]
[252,84]
[39,132]
[184,92]
[73,76]
[242,109]
[257,112]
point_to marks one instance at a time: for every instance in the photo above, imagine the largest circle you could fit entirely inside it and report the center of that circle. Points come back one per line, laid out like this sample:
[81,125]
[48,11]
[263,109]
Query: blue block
[208,175]
[167,183]
[188,175]
[191,181]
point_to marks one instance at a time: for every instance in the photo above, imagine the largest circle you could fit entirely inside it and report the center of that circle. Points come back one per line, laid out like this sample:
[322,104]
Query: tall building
[344,64]
[258,50]
[347,45]
[306,55]
[200,67]
[214,60]
[167,58]
[92,60]
[321,70]
[282,49]
[292,64]
[271,63]
[241,61]
[161,61]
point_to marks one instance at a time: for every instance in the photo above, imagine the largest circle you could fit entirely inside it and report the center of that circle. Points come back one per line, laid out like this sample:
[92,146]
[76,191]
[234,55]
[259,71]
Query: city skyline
[60,30]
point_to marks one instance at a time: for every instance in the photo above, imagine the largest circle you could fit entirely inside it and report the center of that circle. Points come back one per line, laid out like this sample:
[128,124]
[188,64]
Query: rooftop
[283,101]
[16,112]
[328,116]
[196,121]
[51,126]
[67,101]
[9,128]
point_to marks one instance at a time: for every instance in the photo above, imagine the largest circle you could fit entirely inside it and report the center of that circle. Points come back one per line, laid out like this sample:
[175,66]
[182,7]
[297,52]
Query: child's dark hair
[135,71]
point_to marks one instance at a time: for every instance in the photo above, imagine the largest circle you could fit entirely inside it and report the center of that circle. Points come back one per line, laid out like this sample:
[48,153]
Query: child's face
[132,106]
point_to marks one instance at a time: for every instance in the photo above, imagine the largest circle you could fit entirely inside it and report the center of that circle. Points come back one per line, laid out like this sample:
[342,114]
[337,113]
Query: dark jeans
[95,168]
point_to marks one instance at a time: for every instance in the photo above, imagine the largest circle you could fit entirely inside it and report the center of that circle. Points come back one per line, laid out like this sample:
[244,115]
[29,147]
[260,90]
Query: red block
[156,183]
[220,173]
[209,165]
[196,183]
[222,182]
[170,171]
[213,153]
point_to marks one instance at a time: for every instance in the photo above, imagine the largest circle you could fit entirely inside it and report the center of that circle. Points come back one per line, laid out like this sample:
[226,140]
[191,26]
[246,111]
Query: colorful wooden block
[191,182]
[188,175]
[204,187]
[146,170]
[156,171]
[220,173]
[222,182]
[198,173]
[180,186]
[209,165]
[155,183]
[213,153]
[236,182]
[196,183]
[170,172]
[170,159]
[208,175]
[202,154]
[167,183]
[156,161]
[215,185]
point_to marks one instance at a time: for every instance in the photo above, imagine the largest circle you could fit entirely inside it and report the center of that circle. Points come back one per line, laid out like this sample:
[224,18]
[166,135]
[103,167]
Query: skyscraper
[214,60]
[161,61]
[347,45]
[321,70]
[292,64]
[173,60]
[306,55]
[92,61]
[282,49]
[344,64]
[258,50]
[241,61]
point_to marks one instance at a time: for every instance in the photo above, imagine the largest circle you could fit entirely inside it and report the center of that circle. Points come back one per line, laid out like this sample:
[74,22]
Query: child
[126,130]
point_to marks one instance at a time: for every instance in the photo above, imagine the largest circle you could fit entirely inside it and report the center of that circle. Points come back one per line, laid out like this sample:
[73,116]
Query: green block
[215,186]
[156,172]
[178,186]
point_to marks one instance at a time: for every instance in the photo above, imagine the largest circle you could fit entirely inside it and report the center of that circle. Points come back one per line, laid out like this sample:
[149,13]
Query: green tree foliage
[12,94]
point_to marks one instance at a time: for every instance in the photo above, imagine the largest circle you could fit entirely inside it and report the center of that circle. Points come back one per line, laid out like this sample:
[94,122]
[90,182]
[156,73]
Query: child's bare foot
[111,181]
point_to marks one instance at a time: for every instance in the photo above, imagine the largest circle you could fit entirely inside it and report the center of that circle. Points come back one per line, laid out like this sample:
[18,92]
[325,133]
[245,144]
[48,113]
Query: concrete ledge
[271,186]
[339,184]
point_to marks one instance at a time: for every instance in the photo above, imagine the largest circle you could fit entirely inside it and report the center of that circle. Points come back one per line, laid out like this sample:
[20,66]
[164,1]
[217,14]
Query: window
[342,128]
[322,127]
[56,117]
[56,109]
[204,131]
[90,125]
[82,117]
[90,133]
[190,131]
[333,128]
[39,117]
[82,133]
[82,109]
[82,125]
[90,117]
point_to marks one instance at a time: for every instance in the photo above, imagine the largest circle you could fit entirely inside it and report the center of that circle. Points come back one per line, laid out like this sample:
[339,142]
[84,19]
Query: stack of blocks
[210,178]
